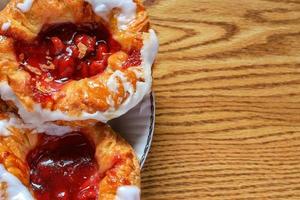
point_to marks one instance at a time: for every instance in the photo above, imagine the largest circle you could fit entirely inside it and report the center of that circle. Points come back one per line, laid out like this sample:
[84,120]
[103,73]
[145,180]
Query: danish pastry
[63,60]
[90,163]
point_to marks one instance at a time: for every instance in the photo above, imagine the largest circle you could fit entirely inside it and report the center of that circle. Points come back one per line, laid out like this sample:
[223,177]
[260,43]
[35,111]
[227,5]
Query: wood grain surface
[227,84]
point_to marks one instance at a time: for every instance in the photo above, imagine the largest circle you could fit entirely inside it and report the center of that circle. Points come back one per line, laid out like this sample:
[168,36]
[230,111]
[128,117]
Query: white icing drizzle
[15,189]
[4,128]
[137,71]
[48,128]
[112,82]
[127,8]
[5,26]
[128,193]
[25,6]
[5,124]
[39,116]
[110,101]
[32,120]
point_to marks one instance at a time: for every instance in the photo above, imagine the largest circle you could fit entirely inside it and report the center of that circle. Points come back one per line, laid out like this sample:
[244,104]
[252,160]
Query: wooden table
[227,84]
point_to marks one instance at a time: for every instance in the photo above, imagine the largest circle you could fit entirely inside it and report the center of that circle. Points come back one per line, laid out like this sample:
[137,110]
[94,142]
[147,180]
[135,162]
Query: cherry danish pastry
[86,164]
[75,60]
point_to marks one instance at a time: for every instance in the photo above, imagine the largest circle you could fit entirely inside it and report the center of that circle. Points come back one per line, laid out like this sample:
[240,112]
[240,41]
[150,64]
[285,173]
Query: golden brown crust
[13,151]
[90,94]
[109,148]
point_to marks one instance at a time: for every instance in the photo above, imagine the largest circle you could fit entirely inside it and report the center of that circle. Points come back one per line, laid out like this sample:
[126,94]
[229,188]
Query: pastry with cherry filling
[86,164]
[78,60]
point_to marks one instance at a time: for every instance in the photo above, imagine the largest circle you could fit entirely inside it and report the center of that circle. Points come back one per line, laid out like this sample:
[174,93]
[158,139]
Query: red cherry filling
[65,52]
[89,42]
[57,46]
[134,59]
[60,49]
[64,168]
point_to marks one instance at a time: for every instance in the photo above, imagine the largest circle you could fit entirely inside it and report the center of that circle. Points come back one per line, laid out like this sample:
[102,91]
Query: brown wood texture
[227,84]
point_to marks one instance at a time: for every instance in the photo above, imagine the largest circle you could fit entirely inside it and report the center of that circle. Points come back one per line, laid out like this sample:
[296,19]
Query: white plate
[137,126]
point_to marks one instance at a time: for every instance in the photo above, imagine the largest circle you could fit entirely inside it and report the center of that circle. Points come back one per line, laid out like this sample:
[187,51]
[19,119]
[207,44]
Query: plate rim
[151,130]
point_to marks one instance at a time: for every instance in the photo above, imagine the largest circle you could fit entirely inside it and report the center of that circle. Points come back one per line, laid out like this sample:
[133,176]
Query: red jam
[134,59]
[65,52]
[64,168]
